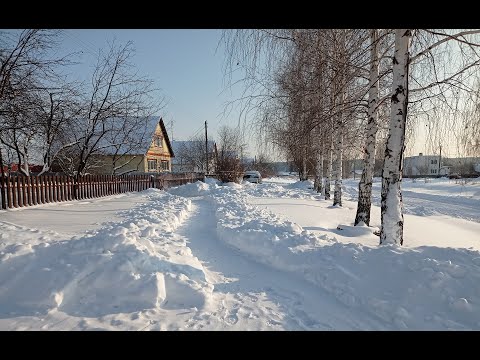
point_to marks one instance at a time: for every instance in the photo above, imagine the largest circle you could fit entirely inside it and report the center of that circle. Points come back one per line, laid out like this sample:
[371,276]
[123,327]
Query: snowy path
[460,202]
[249,295]
[430,204]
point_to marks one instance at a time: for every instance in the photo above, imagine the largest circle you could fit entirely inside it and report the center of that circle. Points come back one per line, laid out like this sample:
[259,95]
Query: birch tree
[391,202]
[391,199]
[365,184]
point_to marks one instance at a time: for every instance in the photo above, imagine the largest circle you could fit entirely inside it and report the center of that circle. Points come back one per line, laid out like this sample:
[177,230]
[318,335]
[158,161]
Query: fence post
[39,190]
[54,188]
[49,188]
[104,185]
[2,189]
[14,191]
[9,193]
[26,191]
[34,190]
[20,191]
[65,187]
[79,188]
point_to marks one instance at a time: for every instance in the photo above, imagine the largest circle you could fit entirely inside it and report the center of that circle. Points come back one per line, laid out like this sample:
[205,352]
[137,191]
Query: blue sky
[185,64]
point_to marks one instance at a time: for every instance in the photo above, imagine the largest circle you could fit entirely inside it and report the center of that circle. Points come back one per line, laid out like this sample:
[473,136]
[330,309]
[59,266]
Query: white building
[424,165]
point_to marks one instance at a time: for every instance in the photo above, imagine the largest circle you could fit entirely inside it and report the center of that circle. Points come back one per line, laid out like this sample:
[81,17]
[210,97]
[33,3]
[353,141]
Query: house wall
[158,153]
[104,164]
[421,165]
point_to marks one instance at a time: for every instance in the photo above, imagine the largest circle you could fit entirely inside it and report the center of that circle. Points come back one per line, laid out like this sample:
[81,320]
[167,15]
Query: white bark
[328,178]
[319,173]
[304,175]
[391,204]
[337,193]
[365,185]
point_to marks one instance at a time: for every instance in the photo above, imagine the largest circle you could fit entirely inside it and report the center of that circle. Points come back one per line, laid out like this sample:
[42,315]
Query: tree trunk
[45,168]
[304,164]
[337,193]
[317,186]
[328,178]
[365,185]
[2,181]
[23,162]
[392,206]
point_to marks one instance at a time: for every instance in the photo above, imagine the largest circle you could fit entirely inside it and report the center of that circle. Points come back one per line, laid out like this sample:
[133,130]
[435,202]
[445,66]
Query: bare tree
[56,114]
[26,67]
[229,165]
[191,154]
[112,110]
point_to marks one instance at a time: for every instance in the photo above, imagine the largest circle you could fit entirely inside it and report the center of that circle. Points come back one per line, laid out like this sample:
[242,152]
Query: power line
[90,48]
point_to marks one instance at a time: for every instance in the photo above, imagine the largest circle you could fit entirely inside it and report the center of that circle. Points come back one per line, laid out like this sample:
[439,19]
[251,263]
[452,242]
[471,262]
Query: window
[433,171]
[433,162]
[152,165]
[165,165]
[158,141]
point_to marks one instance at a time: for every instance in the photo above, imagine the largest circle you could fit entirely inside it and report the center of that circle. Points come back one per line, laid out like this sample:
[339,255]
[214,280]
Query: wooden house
[153,155]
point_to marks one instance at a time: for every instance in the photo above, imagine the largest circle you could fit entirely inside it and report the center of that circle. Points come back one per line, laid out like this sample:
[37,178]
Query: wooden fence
[20,191]
[164,181]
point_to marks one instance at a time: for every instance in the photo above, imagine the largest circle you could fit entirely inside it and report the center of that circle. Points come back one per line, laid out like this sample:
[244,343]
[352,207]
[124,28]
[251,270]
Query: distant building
[424,165]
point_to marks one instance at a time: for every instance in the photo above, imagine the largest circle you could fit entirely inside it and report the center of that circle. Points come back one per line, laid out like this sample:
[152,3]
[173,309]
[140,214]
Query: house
[424,165]
[153,155]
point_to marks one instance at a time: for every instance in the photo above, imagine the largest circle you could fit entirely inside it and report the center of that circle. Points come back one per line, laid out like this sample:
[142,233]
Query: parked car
[454,176]
[253,177]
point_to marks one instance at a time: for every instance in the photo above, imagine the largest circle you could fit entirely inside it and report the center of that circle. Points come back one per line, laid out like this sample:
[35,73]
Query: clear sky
[185,64]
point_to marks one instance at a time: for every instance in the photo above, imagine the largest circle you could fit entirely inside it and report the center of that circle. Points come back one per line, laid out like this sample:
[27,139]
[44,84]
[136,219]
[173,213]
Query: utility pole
[206,147]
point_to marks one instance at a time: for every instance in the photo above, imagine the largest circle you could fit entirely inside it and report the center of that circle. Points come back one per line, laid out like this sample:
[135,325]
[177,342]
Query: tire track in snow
[251,296]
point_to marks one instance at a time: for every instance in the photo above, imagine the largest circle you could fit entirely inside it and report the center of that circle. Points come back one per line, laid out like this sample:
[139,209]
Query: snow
[271,256]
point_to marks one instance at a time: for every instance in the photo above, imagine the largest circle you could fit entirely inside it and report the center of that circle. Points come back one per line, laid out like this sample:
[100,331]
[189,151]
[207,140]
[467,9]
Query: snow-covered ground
[271,256]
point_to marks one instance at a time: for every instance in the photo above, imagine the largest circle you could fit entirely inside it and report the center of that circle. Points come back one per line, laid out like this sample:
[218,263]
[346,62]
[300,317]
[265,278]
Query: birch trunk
[337,193]
[319,174]
[328,178]
[392,206]
[304,165]
[365,185]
